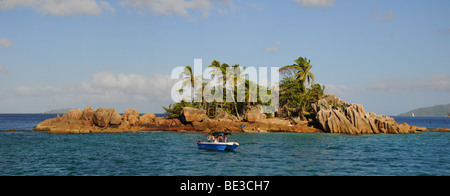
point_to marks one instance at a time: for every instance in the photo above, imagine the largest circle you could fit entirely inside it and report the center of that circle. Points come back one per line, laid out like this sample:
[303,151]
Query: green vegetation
[299,72]
[235,107]
[297,90]
[295,97]
[174,110]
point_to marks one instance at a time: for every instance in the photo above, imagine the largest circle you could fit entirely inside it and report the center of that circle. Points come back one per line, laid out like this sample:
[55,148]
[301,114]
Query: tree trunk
[249,97]
[237,112]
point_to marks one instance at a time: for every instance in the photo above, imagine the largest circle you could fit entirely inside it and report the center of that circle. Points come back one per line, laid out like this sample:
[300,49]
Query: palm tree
[316,91]
[251,88]
[238,75]
[230,78]
[221,68]
[219,73]
[301,70]
[189,80]
[294,93]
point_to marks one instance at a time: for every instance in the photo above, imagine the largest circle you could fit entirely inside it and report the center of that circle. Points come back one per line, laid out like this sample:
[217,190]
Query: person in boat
[209,138]
[214,139]
[226,138]
[220,138]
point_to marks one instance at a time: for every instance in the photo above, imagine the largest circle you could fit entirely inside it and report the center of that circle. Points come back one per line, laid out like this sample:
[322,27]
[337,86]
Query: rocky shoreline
[332,115]
[193,120]
[337,116]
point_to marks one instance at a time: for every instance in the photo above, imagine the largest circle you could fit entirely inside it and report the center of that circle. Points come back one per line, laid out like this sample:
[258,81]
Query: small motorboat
[218,141]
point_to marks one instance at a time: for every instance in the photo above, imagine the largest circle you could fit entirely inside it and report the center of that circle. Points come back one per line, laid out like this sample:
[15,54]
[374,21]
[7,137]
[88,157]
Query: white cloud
[38,91]
[437,83]
[271,50]
[105,5]
[60,8]
[3,70]
[338,90]
[105,88]
[6,43]
[380,15]
[433,83]
[309,3]
[391,96]
[274,48]
[177,7]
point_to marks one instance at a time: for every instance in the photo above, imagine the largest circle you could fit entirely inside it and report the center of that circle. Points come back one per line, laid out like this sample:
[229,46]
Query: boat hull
[220,146]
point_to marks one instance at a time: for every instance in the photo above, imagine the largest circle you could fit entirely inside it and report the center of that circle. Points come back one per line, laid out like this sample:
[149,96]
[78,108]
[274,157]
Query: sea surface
[160,153]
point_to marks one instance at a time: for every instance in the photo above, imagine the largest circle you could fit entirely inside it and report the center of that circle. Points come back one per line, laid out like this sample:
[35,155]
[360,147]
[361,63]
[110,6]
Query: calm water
[171,153]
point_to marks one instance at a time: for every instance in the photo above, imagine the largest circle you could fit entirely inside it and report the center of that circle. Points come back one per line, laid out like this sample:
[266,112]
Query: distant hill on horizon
[433,111]
[59,111]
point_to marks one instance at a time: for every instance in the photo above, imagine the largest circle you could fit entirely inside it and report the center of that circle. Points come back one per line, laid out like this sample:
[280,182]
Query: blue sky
[388,55]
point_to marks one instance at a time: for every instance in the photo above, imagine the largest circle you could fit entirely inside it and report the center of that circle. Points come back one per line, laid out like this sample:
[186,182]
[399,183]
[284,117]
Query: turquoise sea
[159,153]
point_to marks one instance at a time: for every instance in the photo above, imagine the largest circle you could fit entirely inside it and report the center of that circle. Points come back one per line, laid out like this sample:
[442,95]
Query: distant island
[59,111]
[433,111]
